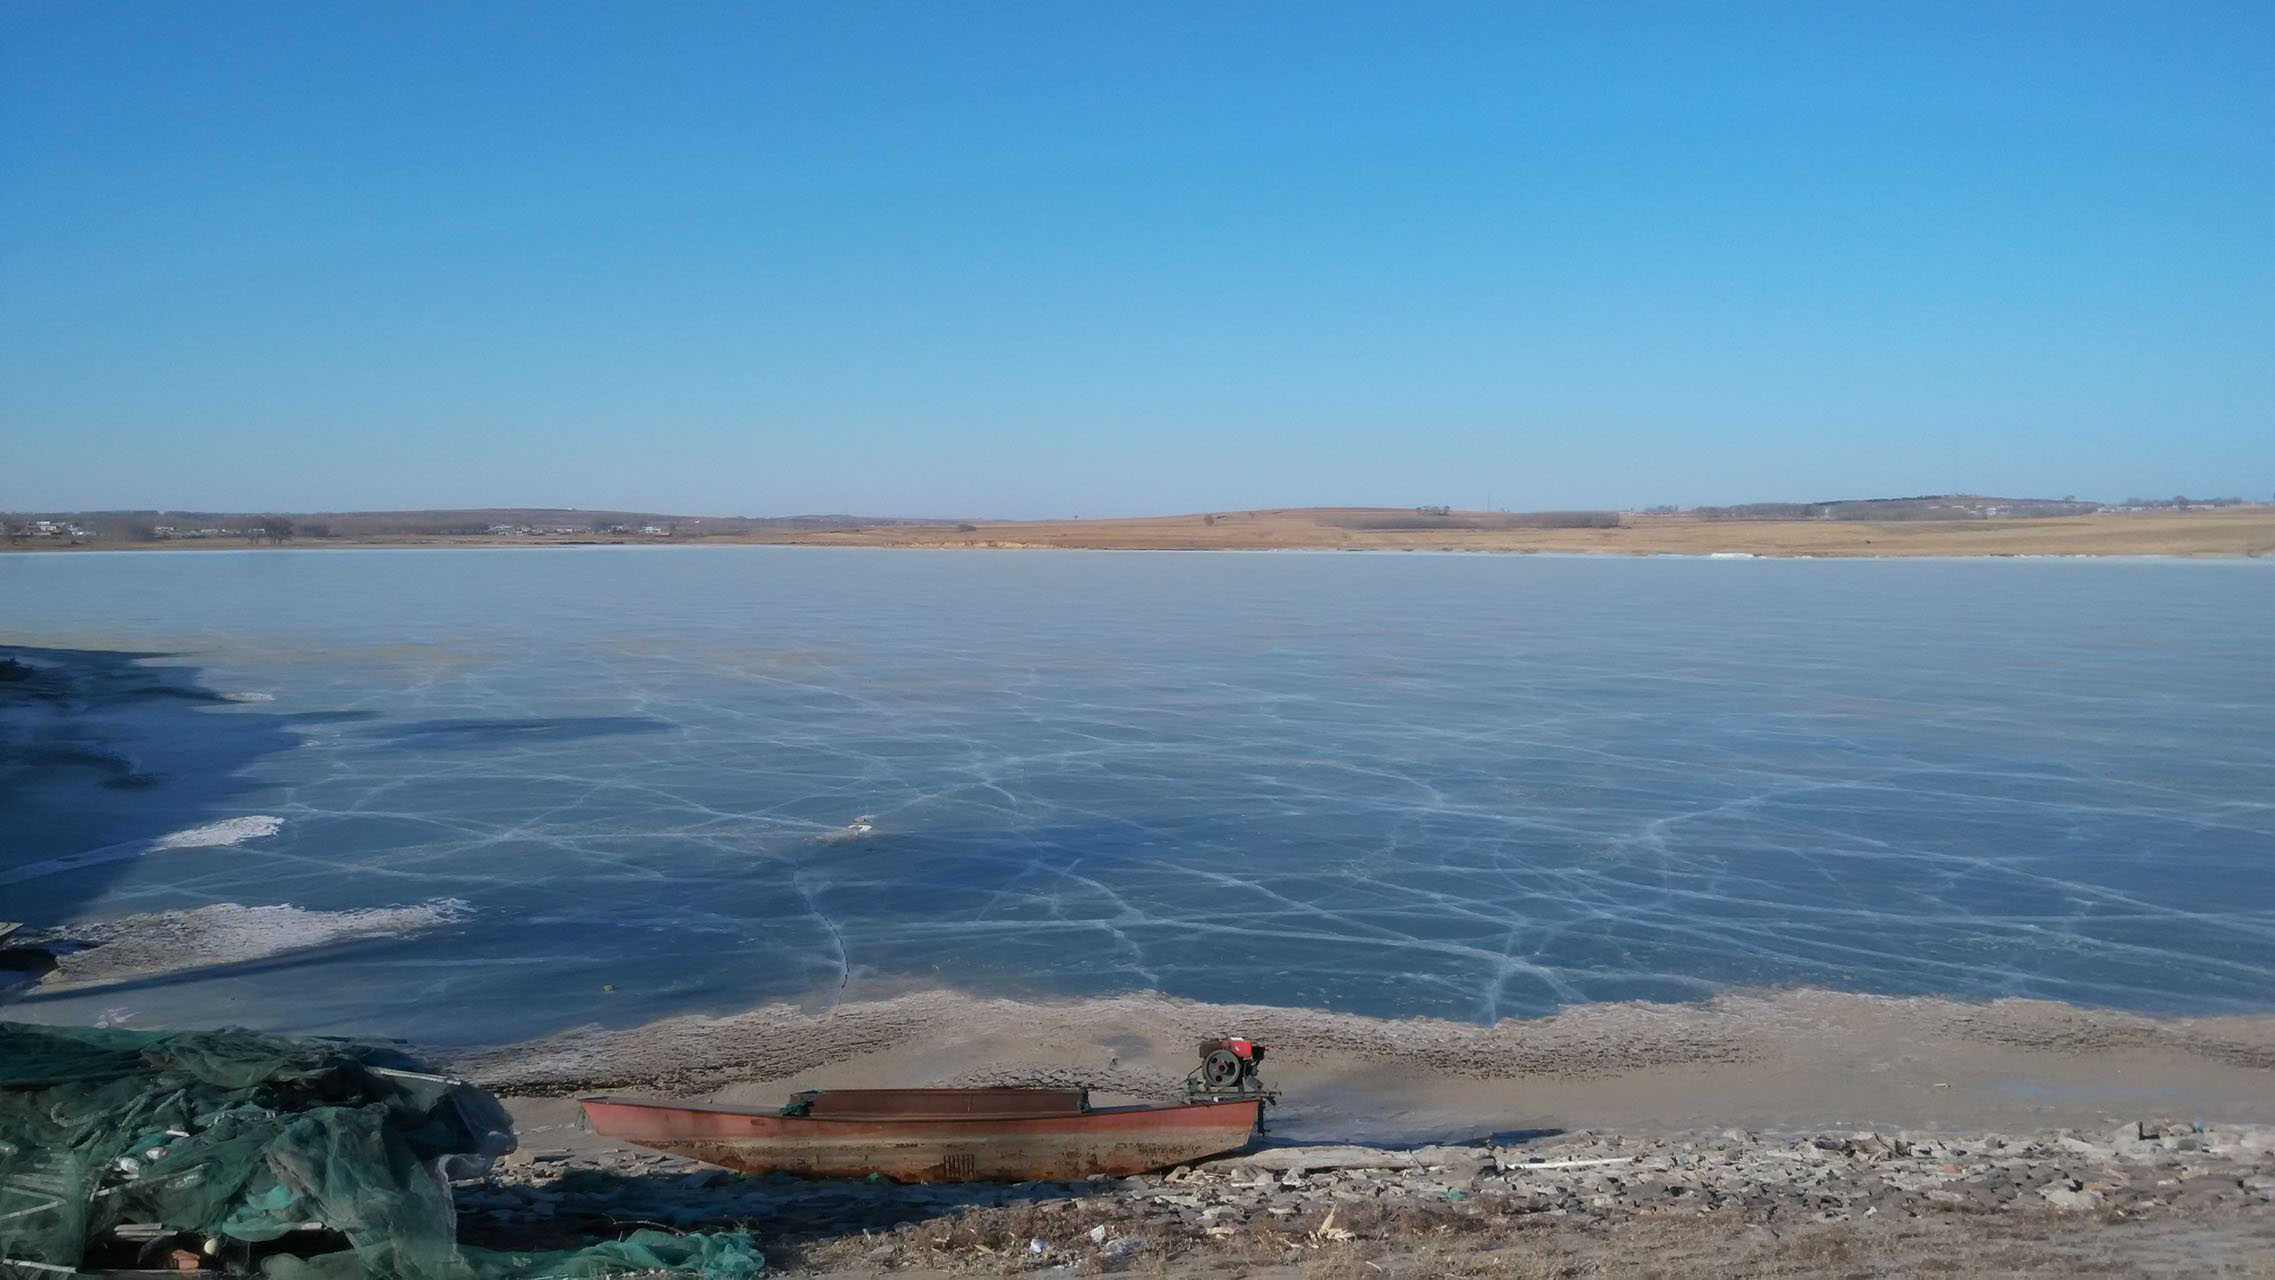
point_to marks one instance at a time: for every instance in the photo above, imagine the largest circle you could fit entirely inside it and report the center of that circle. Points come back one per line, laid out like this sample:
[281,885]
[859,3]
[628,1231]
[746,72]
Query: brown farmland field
[2233,531]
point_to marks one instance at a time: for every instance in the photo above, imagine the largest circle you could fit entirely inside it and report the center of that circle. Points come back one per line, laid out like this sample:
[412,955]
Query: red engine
[1228,1065]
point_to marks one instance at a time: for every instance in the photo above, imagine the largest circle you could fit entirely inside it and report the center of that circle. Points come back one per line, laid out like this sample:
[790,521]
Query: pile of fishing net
[243,1144]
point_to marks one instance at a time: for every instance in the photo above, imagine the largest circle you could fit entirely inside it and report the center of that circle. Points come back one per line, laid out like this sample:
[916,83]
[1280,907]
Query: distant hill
[1939,506]
[159,526]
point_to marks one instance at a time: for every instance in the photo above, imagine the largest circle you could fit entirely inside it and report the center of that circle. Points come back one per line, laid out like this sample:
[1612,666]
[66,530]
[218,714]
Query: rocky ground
[2146,1199]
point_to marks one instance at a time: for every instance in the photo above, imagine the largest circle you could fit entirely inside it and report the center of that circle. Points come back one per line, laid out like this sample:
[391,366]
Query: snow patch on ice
[859,829]
[226,832]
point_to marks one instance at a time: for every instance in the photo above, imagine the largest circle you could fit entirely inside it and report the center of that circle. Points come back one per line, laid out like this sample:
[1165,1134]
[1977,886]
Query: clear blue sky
[1085,258]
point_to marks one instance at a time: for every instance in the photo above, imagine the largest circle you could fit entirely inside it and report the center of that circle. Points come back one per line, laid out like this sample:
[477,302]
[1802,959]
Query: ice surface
[1456,785]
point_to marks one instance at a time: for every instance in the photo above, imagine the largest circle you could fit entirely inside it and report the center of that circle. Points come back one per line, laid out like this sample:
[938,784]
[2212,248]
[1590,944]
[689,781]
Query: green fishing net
[242,1137]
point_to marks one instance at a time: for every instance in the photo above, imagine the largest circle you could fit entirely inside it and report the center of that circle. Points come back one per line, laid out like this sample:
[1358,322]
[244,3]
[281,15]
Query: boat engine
[1228,1070]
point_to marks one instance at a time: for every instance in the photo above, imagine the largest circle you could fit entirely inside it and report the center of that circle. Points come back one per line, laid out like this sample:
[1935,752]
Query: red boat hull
[933,1147]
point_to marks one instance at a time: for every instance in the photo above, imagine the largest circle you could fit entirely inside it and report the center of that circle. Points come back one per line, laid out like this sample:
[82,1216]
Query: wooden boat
[934,1135]
[955,1135]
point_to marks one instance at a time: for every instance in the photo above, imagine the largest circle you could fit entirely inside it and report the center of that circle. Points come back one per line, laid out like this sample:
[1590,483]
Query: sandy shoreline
[1794,1060]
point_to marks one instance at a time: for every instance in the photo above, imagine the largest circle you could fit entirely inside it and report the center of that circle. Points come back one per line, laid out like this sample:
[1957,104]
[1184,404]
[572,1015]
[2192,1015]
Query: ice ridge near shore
[175,942]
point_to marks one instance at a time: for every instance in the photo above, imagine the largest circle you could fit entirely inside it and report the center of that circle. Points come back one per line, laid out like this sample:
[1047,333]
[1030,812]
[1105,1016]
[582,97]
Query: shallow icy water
[1470,786]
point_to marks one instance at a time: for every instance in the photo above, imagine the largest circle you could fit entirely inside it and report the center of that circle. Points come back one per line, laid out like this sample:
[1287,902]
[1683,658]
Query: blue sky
[1090,259]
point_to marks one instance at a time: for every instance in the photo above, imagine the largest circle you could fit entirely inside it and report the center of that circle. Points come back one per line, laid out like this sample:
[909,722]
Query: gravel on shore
[2145,1199]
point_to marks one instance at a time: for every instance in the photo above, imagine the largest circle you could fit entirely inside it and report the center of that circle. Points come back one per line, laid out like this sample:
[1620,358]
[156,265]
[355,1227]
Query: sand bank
[1793,1060]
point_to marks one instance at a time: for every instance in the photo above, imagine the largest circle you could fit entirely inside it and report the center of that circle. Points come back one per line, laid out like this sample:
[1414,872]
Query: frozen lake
[1468,786]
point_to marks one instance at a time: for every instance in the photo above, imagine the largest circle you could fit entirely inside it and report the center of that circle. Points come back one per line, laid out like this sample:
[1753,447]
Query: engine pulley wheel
[1222,1069]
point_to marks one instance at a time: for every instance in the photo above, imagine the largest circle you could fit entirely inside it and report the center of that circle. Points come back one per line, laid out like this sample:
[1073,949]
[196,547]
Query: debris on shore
[1286,1205]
